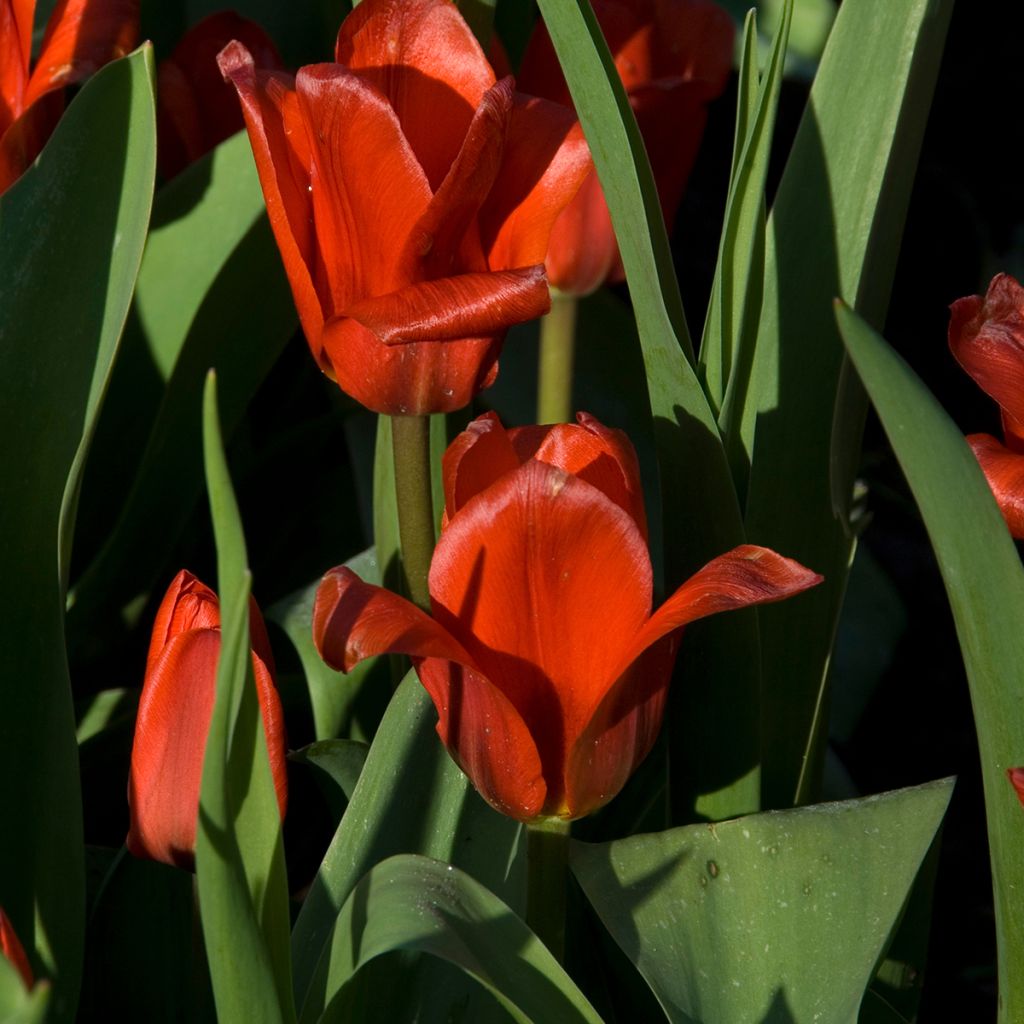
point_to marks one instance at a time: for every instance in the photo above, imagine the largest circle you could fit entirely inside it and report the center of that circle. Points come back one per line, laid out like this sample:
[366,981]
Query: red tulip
[1016,777]
[411,196]
[196,109]
[174,718]
[548,671]
[674,57]
[81,36]
[986,336]
[12,949]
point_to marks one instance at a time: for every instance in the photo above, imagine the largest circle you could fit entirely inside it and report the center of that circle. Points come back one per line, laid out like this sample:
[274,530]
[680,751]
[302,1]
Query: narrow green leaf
[243,893]
[332,695]
[337,765]
[775,918]
[410,798]
[985,584]
[210,251]
[834,230]
[104,709]
[72,231]
[17,1005]
[415,903]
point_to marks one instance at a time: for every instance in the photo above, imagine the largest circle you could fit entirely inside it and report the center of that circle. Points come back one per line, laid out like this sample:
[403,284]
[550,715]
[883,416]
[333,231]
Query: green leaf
[705,521]
[337,765]
[834,230]
[105,710]
[333,695]
[18,1005]
[410,798]
[210,251]
[776,918]
[71,236]
[416,903]
[985,584]
[243,891]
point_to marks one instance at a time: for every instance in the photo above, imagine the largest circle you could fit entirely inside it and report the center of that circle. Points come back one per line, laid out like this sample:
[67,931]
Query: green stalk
[547,863]
[557,346]
[410,439]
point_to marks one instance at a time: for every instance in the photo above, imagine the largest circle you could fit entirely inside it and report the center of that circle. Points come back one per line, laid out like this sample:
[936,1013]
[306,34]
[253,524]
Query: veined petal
[986,335]
[187,605]
[368,189]
[281,149]
[81,36]
[474,460]
[170,740]
[546,160]
[544,581]
[15,52]
[600,455]
[1004,471]
[446,309]
[423,57]
[446,239]
[12,949]
[486,735]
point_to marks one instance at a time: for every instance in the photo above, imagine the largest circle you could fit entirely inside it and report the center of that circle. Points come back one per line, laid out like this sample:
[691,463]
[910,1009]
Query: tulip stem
[410,439]
[547,864]
[557,347]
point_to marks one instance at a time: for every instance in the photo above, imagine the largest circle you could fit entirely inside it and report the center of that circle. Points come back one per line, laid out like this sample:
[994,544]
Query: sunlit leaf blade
[777,917]
[985,584]
[71,236]
[17,1005]
[210,252]
[243,893]
[410,798]
[700,522]
[834,230]
[332,695]
[416,903]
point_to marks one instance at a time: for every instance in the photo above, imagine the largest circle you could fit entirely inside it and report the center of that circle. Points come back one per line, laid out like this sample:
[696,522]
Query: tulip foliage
[453,728]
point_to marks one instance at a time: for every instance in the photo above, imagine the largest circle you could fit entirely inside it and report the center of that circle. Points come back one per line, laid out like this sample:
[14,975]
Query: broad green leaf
[71,236]
[211,251]
[834,230]
[410,798]
[776,918]
[700,522]
[985,584]
[243,890]
[332,695]
[17,1004]
[416,903]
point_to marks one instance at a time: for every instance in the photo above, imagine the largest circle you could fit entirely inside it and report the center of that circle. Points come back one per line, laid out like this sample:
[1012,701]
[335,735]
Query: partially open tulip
[987,337]
[12,949]
[548,671]
[81,36]
[196,108]
[674,57]
[174,718]
[411,196]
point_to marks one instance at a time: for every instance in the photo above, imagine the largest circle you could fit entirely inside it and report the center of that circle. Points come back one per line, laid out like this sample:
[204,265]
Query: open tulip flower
[548,671]
[674,57]
[174,718]
[986,336]
[81,36]
[411,196]
[12,949]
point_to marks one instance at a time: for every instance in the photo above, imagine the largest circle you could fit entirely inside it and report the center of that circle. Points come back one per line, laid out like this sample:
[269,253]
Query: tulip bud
[12,949]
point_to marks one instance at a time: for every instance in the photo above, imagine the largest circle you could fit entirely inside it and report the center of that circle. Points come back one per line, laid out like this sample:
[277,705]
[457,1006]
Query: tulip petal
[423,57]
[281,149]
[368,189]
[474,460]
[600,455]
[170,741]
[24,139]
[1016,777]
[12,949]
[187,605]
[15,53]
[81,36]
[486,735]
[446,309]
[447,236]
[546,161]
[1004,471]
[986,335]
[544,581]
